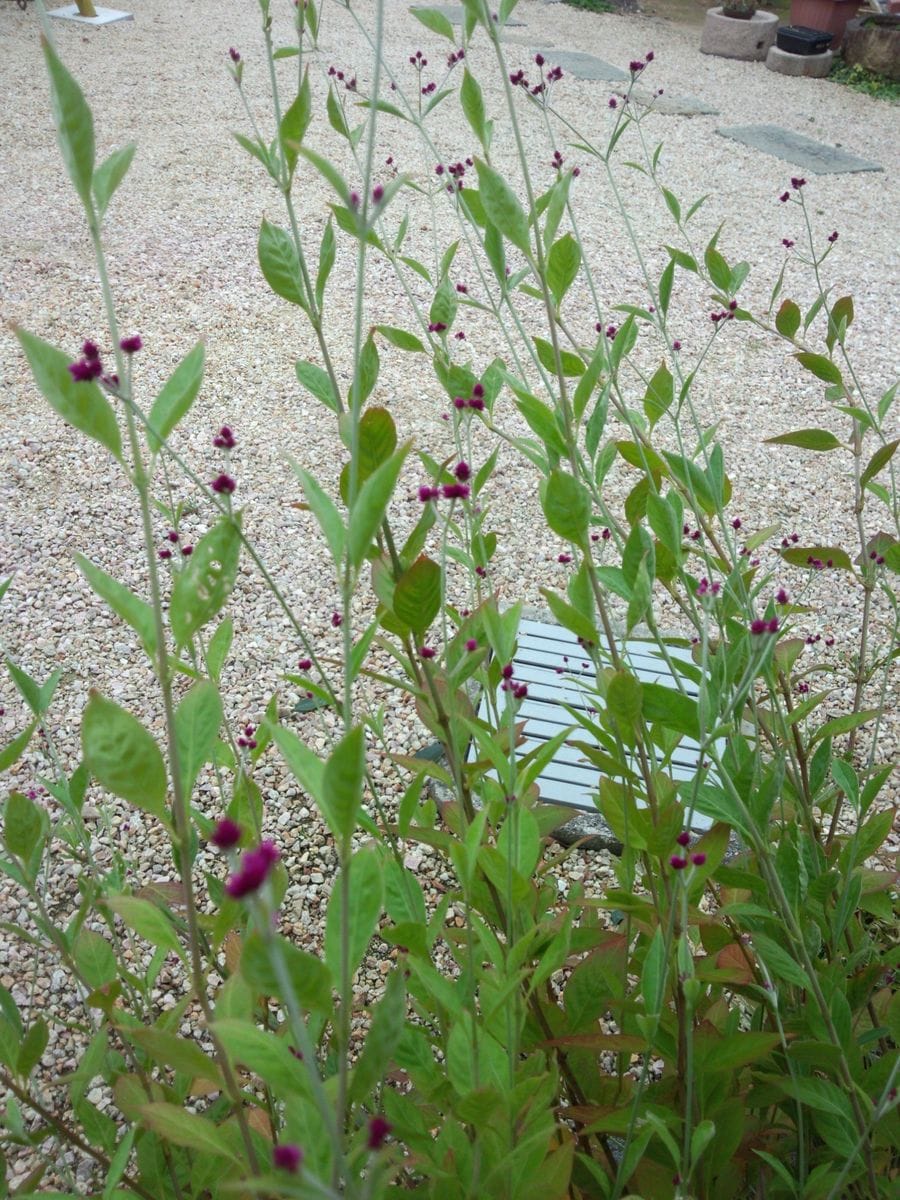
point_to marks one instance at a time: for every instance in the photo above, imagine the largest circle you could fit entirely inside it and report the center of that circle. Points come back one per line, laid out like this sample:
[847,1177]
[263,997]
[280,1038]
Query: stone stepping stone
[583,66]
[671,106]
[801,151]
[456,14]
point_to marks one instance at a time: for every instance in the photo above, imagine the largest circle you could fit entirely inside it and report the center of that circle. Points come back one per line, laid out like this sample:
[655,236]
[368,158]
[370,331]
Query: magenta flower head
[234,55]
[427,651]
[304,664]
[758,626]
[683,838]
[85,369]
[462,471]
[90,350]
[677,863]
[455,491]
[784,197]
[287,1157]
[797,183]
[256,867]
[226,834]
[471,645]
[223,485]
[833,237]
[636,65]
[427,493]
[131,345]
[379,1128]
[224,439]
[698,859]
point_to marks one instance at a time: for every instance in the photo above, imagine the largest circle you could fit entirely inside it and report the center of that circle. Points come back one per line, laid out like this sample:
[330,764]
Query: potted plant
[738,29]
[739,10]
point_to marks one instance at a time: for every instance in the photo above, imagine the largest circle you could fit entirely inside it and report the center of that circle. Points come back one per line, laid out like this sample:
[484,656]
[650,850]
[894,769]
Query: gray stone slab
[803,152]
[456,14]
[671,105]
[582,66]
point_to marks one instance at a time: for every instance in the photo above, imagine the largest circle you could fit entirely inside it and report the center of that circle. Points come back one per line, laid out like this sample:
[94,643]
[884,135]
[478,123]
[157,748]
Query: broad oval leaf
[122,756]
[74,125]
[178,394]
[205,583]
[82,404]
[820,440]
[567,506]
[502,207]
[197,721]
[417,594]
[279,263]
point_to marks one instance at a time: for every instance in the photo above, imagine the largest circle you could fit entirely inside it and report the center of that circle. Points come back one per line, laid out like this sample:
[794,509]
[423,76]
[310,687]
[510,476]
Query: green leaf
[329,173]
[205,583]
[830,556]
[342,784]
[122,756]
[502,207]
[197,721]
[37,696]
[366,374]
[659,395]
[279,263]
[295,123]
[779,961]
[136,612]
[839,321]
[370,506]
[567,506]
[563,263]
[24,825]
[326,513]
[11,754]
[878,461]
[110,174]
[719,271]
[444,305]
[181,1054]
[219,645]
[418,593]
[174,1124]
[317,381]
[844,724]
[672,204]
[787,319]
[472,102]
[74,125]
[147,921]
[653,975]
[326,262]
[820,366]
[435,20]
[366,889]
[570,617]
[307,976]
[32,1048]
[672,709]
[383,1036]
[267,1056]
[730,1053]
[80,404]
[94,958]
[377,440]
[178,394]
[401,338]
[624,699]
[572,366]
[306,767]
[807,439]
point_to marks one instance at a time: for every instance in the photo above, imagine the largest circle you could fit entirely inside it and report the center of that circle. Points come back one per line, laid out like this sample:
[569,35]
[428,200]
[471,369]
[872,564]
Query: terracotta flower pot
[831,16]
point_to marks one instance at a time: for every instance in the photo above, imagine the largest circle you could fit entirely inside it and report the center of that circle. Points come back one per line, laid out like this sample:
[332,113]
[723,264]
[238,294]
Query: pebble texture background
[181,237]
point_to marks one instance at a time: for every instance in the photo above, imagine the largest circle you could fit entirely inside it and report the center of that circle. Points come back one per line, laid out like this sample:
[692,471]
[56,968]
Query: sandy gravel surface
[181,238]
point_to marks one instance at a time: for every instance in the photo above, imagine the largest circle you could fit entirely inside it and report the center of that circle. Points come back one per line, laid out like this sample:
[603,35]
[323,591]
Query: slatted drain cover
[551,662]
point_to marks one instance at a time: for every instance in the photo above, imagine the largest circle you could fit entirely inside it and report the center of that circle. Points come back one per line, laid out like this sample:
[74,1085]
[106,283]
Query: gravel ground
[181,239]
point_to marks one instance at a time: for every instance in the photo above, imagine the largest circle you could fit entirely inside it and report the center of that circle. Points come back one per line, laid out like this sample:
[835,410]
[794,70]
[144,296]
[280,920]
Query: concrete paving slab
[670,105]
[456,14]
[105,16]
[817,157]
[582,66]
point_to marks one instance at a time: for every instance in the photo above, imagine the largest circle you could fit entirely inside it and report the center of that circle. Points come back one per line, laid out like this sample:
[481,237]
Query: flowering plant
[721,1018]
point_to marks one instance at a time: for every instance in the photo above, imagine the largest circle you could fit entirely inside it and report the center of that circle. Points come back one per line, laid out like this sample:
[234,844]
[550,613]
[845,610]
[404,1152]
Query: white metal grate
[551,662]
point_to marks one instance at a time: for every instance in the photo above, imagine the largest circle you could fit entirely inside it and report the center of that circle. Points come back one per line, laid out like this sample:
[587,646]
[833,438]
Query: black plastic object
[800,39]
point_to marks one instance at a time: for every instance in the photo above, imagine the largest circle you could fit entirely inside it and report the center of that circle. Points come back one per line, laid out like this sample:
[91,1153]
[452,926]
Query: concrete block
[815,66]
[730,37]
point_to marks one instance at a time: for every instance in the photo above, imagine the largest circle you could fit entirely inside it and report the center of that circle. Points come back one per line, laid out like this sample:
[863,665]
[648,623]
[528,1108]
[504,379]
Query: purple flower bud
[226,834]
[539,60]
[471,645]
[781,597]
[684,838]
[507,671]
[784,196]
[520,691]
[90,351]
[677,862]
[287,1157]
[304,664]
[427,493]
[797,183]
[172,535]
[564,558]
[462,471]
[676,345]
[698,859]
[85,370]
[787,243]
[758,626]
[233,55]
[255,868]
[223,484]
[131,345]
[636,65]
[772,626]
[164,554]
[833,237]
[427,652]
[379,1128]
[649,56]
[187,551]
[337,620]
[455,491]
[377,193]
